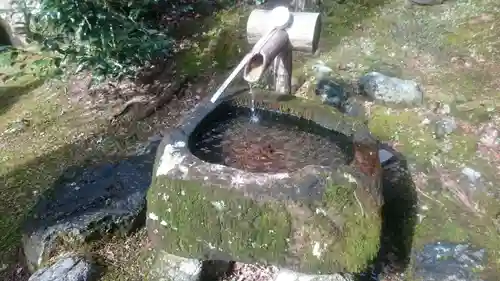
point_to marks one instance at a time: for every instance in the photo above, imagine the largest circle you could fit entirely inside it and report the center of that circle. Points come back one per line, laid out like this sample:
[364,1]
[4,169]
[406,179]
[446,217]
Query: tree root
[146,106]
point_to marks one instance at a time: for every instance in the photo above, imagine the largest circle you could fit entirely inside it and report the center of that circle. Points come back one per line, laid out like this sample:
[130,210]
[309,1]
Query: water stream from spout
[254,118]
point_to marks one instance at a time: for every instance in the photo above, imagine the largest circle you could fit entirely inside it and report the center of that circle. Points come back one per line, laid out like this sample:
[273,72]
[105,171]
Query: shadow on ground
[399,220]
[9,95]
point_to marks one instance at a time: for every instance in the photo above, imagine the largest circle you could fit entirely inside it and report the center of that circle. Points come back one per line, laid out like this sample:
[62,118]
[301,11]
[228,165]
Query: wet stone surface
[87,203]
[67,268]
[449,261]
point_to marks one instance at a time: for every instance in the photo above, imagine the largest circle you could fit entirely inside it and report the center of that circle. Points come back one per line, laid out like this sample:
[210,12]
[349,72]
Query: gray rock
[448,261]
[68,268]
[173,268]
[490,135]
[87,203]
[330,92]
[445,127]
[391,89]
[472,175]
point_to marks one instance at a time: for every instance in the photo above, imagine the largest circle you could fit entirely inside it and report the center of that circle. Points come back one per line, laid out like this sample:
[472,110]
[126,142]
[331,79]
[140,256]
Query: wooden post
[282,70]
[303,32]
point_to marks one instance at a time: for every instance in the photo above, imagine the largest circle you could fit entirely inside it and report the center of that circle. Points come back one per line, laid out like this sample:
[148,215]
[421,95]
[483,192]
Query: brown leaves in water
[259,157]
[276,148]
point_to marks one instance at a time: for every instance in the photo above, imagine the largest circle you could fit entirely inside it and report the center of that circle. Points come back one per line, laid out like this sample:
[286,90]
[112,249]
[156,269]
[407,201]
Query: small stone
[351,65]
[448,261]
[426,121]
[443,109]
[330,92]
[17,126]
[68,268]
[391,89]
[471,174]
[490,136]
[170,267]
[445,127]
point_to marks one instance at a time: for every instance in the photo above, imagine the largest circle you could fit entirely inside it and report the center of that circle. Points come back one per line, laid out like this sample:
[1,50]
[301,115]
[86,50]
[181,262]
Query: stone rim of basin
[177,155]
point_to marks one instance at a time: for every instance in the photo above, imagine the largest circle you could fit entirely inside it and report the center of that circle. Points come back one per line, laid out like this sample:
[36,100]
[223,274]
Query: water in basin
[276,143]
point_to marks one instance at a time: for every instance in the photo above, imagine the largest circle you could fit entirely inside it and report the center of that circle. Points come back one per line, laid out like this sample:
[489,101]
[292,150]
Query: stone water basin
[299,190]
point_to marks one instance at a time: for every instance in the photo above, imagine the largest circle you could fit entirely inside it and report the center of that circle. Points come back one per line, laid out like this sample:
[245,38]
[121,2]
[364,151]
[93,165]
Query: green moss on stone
[362,227]
[338,235]
[194,219]
[190,219]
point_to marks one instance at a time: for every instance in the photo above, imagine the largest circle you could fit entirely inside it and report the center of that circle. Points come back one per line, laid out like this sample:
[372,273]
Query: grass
[450,49]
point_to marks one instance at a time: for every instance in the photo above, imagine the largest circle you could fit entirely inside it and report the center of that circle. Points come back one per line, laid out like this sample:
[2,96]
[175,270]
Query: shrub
[112,38]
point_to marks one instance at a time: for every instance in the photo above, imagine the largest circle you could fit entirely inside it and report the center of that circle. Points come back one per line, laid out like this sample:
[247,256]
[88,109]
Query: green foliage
[111,38]
[17,63]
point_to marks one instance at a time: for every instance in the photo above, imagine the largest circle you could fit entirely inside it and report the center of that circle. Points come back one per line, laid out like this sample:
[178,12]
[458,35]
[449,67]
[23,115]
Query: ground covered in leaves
[451,50]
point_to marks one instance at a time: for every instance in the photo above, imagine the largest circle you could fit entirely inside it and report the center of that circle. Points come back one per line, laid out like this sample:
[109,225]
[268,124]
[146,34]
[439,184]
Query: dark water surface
[276,143]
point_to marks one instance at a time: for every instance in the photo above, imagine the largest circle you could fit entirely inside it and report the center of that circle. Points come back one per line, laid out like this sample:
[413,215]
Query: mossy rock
[316,220]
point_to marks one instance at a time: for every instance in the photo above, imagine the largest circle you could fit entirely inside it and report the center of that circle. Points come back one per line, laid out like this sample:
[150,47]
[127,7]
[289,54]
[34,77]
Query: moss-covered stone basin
[316,219]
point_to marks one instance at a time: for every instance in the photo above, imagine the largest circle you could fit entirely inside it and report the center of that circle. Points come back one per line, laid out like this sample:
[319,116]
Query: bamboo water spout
[276,52]
[276,34]
[294,31]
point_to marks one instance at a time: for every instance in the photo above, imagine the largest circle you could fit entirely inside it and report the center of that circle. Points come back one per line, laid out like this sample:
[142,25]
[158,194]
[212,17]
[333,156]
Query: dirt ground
[452,50]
